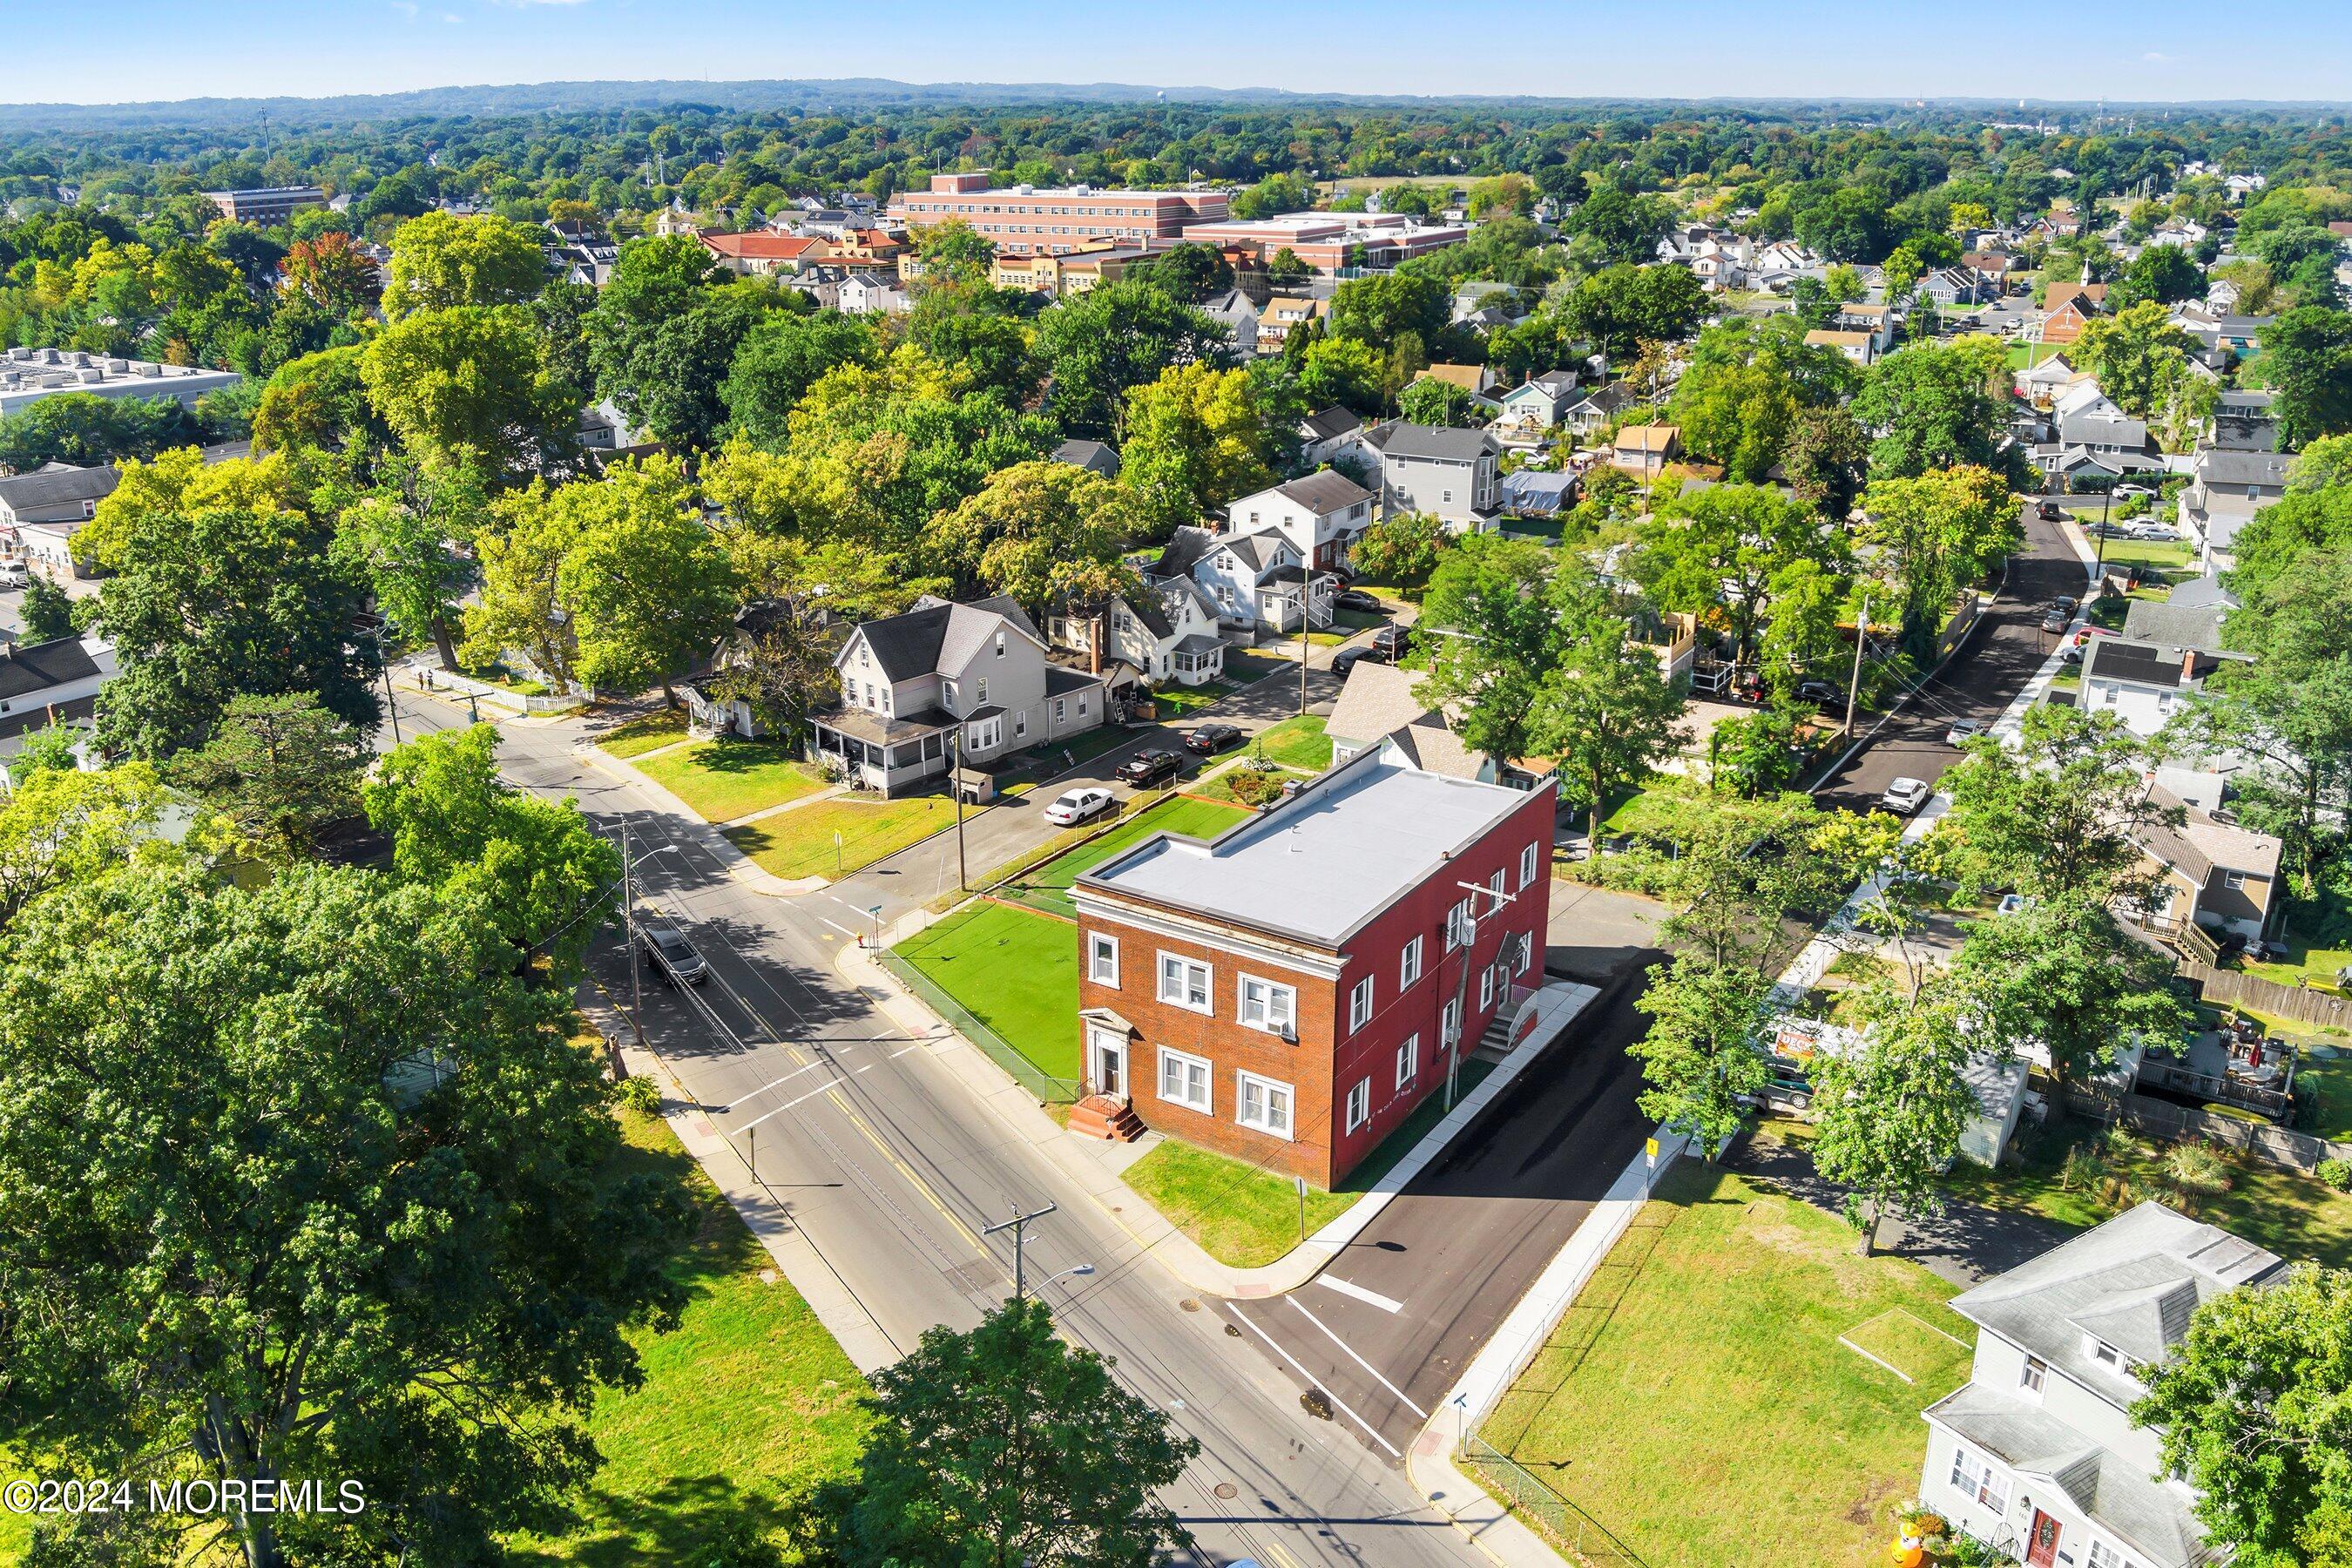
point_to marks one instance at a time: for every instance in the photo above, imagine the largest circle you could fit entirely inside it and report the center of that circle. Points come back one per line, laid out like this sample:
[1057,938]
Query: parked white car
[1904,796]
[1963,731]
[1077,806]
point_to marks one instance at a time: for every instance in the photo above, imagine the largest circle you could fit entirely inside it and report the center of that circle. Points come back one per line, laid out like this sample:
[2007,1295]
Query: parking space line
[1369,1297]
[787,1105]
[1360,1361]
[1310,1377]
[778,1083]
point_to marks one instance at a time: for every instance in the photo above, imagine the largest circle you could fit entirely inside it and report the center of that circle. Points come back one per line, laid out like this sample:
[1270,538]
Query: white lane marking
[1317,1382]
[787,1105]
[841,928]
[779,1083]
[1370,1298]
[1360,1361]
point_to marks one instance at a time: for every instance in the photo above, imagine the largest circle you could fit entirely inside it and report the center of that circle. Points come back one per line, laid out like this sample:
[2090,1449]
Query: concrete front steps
[1112,1120]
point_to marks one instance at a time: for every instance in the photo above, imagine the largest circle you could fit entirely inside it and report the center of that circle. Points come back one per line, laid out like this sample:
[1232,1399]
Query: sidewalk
[1490,1526]
[1095,1167]
[740,868]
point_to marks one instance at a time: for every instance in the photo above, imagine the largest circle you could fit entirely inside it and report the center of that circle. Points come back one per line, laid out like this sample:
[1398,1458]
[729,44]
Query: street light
[1082,1271]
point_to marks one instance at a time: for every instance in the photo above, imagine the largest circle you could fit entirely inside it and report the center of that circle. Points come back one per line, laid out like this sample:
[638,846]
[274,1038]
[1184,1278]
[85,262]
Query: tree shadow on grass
[693,1521]
[742,757]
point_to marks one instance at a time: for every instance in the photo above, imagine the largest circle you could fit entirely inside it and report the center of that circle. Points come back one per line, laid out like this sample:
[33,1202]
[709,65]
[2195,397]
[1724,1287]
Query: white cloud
[2157,57]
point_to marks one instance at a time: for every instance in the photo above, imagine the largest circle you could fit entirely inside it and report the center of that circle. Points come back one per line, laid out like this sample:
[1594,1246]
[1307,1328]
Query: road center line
[1360,1361]
[1310,1377]
[1369,1297]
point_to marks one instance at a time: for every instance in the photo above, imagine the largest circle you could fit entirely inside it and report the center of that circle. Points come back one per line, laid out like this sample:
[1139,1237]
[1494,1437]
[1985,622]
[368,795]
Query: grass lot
[2331,1079]
[1013,970]
[2292,1213]
[1222,786]
[793,844]
[1181,702]
[1048,887]
[723,780]
[1245,1216]
[2318,939]
[1297,742]
[1244,668]
[1760,1440]
[2025,357]
[1548,530]
[746,1404]
[1054,758]
[2174,557]
[639,736]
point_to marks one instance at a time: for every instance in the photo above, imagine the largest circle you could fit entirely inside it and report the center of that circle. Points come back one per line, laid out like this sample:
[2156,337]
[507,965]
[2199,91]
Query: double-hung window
[1528,861]
[1486,987]
[1359,1004]
[1977,1481]
[1184,983]
[1408,1063]
[1269,1006]
[1184,1080]
[1262,1103]
[1449,1019]
[2036,1373]
[1409,969]
[1360,1103]
[1102,959]
[2106,1556]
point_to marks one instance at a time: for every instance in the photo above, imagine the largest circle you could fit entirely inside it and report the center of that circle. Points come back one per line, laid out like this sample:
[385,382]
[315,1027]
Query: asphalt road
[1991,667]
[1389,1326]
[889,1168]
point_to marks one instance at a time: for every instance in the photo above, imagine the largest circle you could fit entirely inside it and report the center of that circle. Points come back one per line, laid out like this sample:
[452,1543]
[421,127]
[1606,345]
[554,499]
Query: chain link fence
[1567,1527]
[1044,1085]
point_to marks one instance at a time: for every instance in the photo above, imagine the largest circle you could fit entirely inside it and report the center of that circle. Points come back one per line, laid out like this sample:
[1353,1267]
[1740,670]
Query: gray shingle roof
[1326,492]
[1435,443]
[2222,466]
[1326,423]
[937,635]
[43,667]
[56,486]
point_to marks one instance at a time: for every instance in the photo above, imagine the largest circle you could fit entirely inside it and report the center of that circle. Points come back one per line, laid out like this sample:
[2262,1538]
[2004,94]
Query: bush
[641,1095]
[2336,1174]
[1252,787]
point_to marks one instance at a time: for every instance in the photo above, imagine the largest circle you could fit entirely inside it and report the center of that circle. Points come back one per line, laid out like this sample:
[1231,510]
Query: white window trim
[1206,1103]
[1408,1061]
[2032,1378]
[1409,965]
[1095,941]
[1528,862]
[1486,987]
[1359,1004]
[1980,1480]
[1360,1103]
[1242,1080]
[1207,1006]
[1286,1025]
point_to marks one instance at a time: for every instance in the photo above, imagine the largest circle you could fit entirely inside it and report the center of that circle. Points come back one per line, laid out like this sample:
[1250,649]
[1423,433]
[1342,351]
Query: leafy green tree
[1508,195]
[1740,396]
[1890,1112]
[1384,309]
[1621,226]
[1700,1055]
[1189,273]
[320,402]
[1284,269]
[1758,753]
[647,589]
[954,251]
[2307,359]
[1007,1445]
[1715,552]
[468,387]
[1621,307]
[1500,637]
[1935,405]
[2254,1409]
[2163,274]
[2130,352]
[440,260]
[1804,635]
[2324,464]
[1275,195]
[47,611]
[88,431]
[280,768]
[972,328]
[404,538]
[780,359]
[299,1181]
[216,600]
[1198,439]
[1042,532]
[665,332]
[2058,813]
[1433,401]
[1403,550]
[60,827]
[1826,459]
[1344,371]
[1938,534]
[545,880]
[1607,711]
[1096,345]
[2063,973]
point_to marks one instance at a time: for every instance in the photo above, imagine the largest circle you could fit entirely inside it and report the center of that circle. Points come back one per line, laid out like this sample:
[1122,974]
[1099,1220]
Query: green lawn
[2025,357]
[1297,742]
[1548,530]
[723,780]
[1013,970]
[799,843]
[1182,702]
[2318,939]
[2329,1078]
[639,736]
[1047,886]
[746,1404]
[2177,556]
[2293,1214]
[1696,1400]
[1245,1216]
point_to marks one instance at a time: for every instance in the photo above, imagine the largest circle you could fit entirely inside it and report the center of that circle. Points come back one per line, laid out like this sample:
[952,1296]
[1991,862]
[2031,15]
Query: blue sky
[114,50]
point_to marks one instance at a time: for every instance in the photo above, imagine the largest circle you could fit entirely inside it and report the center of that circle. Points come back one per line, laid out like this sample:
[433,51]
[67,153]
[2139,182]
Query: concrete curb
[1562,1002]
[1429,1462]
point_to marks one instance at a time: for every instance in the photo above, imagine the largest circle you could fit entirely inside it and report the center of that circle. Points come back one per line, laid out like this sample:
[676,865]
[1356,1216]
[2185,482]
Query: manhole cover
[1233,1331]
[1226,1490]
[1189,1304]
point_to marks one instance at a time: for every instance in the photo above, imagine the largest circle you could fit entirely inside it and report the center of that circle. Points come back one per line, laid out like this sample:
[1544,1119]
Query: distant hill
[854,94]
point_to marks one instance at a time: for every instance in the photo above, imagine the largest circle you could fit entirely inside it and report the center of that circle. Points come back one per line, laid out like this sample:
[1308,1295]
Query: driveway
[1991,667]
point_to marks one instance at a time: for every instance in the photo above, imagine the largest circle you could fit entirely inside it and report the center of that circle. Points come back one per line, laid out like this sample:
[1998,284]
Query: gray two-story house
[2036,1454]
[1453,475]
[944,685]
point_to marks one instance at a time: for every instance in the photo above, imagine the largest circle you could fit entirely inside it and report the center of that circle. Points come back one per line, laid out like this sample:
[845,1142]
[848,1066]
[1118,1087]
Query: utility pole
[1462,983]
[1019,1225]
[1305,647]
[637,962]
[955,788]
[1853,683]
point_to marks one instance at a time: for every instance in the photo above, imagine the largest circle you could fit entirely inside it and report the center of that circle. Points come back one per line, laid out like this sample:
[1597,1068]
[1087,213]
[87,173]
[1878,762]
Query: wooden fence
[2227,987]
[2278,1146]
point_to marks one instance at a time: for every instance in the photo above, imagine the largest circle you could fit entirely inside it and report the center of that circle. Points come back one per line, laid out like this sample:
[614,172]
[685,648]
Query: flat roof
[1320,865]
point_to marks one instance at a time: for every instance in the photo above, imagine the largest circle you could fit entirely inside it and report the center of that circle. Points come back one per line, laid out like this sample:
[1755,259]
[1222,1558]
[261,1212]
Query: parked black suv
[1151,767]
[1391,643]
[1211,739]
[672,957]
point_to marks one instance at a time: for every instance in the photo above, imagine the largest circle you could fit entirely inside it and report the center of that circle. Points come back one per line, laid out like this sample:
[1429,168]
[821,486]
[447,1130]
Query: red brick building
[1033,220]
[1288,992]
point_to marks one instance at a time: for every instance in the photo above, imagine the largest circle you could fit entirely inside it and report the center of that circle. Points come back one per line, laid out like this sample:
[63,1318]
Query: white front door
[1106,1062]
